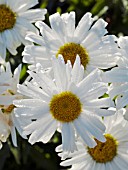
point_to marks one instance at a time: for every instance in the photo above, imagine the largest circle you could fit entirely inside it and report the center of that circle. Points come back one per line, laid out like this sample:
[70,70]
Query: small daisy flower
[88,40]
[118,76]
[15,21]
[66,101]
[8,92]
[109,155]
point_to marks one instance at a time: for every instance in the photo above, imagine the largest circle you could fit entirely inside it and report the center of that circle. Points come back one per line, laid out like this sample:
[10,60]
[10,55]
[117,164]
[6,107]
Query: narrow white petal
[84,134]
[43,133]
[73,160]
[86,84]
[99,103]
[122,101]
[57,24]
[117,90]
[32,103]
[35,38]
[24,5]
[99,27]
[13,135]
[69,21]
[86,123]
[121,162]
[77,71]
[59,69]
[98,90]
[33,15]
[34,92]
[116,75]
[68,137]
[83,27]
[34,113]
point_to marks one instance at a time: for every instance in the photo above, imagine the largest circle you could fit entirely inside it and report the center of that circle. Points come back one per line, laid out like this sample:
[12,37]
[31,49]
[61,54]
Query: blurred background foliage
[43,156]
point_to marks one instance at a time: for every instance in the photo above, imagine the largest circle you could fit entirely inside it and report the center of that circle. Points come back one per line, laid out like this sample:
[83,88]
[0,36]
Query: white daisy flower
[88,40]
[110,155]
[118,76]
[8,92]
[66,101]
[15,21]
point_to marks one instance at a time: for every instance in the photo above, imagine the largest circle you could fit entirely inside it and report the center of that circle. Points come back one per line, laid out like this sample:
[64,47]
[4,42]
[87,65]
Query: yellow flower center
[7,18]
[104,152]
[70,50]
[65,107]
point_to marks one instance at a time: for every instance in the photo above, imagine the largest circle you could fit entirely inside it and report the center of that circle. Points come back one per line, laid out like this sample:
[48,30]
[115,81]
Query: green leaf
[23,73]
[44,4]
[98,7]
[15,152]
[59,10]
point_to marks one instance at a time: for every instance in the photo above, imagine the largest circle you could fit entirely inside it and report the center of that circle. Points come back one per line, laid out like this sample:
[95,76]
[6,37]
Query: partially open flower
[8,92]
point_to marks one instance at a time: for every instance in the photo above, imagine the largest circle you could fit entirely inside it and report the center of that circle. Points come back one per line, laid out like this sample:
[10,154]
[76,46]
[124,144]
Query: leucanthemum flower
[110,155]
[118,76]
[15,21]
[66,101]
[8,92]
[88,40]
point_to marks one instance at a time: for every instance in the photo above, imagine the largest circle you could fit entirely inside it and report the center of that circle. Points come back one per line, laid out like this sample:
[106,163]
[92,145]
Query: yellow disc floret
[70,50]
[65,107]
[104,152]
[7,18]
[8,109]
